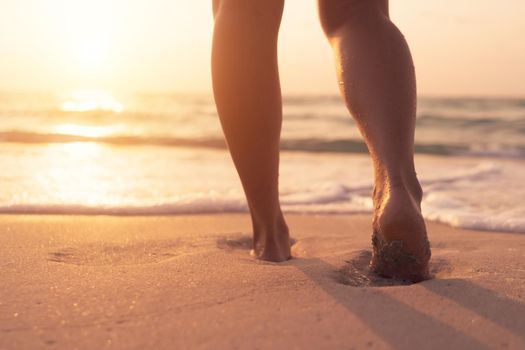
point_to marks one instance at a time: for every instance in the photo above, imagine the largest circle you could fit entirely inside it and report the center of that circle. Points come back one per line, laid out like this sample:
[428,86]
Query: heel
[389,260]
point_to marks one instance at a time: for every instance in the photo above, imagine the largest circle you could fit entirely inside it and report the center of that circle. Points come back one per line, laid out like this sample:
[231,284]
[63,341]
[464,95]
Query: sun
[88,34]
[90,53]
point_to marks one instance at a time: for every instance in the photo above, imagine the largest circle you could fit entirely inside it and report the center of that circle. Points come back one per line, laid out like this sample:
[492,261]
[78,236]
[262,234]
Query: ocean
[91,152]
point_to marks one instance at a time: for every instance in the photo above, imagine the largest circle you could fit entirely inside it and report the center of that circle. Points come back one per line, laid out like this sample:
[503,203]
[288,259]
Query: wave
[312,145]
[31,137]
[436,207]
[506,122]
[203,207]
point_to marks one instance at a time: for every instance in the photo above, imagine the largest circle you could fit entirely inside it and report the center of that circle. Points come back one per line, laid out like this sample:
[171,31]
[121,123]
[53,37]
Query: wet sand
[94,282]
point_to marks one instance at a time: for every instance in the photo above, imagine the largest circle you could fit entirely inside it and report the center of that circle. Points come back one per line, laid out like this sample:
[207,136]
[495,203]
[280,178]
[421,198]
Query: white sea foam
[472,193]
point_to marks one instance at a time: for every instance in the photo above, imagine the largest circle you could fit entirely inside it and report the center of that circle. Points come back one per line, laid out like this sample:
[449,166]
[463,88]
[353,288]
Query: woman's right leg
[377,81]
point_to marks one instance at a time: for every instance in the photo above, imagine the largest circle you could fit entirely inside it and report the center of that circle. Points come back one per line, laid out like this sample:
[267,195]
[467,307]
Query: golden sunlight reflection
[77,168]
[81,149]
[91,100]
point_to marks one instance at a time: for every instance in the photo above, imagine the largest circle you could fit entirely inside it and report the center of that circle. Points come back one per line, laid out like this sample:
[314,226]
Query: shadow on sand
[397,322]
[401,325]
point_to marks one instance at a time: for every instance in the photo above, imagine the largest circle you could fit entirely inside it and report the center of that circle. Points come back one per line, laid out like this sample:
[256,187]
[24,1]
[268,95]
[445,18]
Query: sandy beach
[137,137]
[187,282]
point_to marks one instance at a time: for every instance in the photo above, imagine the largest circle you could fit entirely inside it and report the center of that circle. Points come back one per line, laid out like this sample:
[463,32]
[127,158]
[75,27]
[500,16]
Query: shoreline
[117,214]
[188,281]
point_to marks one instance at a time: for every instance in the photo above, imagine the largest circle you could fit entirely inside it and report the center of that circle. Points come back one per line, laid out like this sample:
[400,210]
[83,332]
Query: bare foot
[400,244]
[272,245]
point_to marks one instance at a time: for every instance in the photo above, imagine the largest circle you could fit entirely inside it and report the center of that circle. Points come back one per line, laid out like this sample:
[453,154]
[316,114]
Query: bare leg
[377,81]
[248,97]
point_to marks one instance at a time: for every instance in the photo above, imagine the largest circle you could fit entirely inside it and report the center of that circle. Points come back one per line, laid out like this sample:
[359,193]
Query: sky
[467,47]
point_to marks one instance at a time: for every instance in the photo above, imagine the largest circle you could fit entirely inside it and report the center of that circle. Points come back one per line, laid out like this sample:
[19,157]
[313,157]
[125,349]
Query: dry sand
[187,282]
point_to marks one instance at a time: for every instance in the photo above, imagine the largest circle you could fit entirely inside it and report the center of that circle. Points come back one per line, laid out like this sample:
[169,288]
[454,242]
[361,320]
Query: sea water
[90,152]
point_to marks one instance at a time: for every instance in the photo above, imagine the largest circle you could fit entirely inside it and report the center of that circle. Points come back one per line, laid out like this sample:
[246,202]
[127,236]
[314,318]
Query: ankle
[397,181]
[269,226]
[271,239]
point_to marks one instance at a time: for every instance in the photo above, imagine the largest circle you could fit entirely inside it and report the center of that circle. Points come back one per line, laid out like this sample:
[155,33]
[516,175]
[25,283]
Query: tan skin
[377,82]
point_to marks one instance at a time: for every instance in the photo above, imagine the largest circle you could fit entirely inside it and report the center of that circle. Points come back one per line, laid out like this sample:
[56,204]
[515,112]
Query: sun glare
[84,101]
[76,167]
[82,149]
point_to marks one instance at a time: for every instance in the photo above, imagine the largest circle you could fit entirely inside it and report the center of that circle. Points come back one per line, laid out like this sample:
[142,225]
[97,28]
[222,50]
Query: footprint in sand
[107,254]
[441,268]
[239,242]
[235,242]
[244,243]
[356,272]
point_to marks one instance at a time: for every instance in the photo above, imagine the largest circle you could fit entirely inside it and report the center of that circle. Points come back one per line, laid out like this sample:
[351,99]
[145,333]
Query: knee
[336,13]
